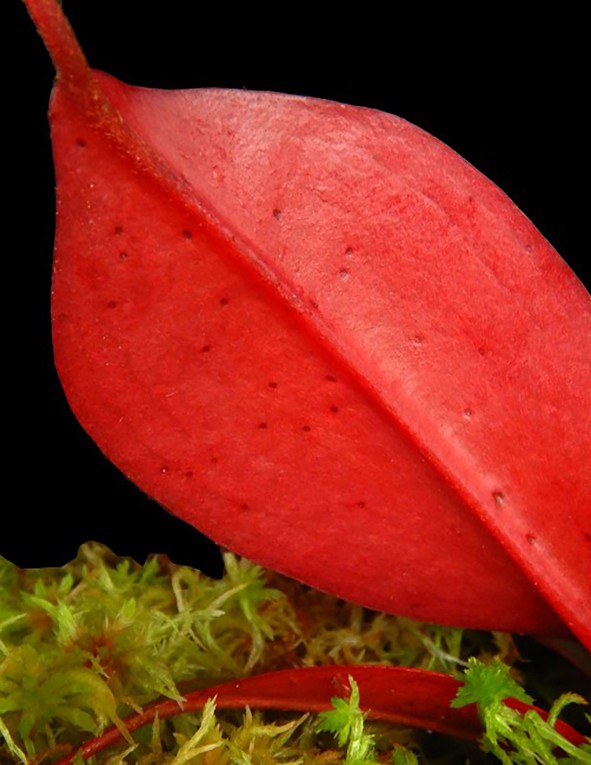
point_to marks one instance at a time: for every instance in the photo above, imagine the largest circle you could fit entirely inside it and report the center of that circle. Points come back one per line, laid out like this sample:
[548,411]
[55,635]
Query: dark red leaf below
[410,697]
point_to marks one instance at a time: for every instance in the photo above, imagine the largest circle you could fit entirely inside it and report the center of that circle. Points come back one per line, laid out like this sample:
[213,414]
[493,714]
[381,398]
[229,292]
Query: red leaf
[302,326]
[412,697]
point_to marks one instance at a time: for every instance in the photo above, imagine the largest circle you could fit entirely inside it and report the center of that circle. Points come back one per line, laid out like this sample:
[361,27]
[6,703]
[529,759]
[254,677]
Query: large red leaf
[312,329]
[412,697]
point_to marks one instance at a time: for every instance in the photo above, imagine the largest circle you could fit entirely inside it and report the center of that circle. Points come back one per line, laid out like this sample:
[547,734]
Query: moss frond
[516,738]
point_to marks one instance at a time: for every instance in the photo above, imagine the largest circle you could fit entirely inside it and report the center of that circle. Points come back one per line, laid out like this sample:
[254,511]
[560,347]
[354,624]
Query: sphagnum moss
[86,644]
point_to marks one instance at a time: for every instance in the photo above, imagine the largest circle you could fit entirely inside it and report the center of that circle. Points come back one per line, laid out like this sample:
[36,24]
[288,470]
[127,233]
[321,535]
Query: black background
[505,93]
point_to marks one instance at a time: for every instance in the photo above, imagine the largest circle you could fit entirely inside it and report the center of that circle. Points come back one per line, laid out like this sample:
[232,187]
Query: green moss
[84,645]
[346,722]
[516,738]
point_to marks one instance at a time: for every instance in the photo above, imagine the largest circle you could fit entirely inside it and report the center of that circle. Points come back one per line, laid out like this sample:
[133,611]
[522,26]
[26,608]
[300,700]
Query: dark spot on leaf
[272,385]
[123,256]
[361,505]
[206,349]
[112,304]
[334,409]
[187,234]
[189,474]
[499,498]
[224,301]
[81,143]
[262,425]
[306,428]
[118,230]
[330,378]
[277,214]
